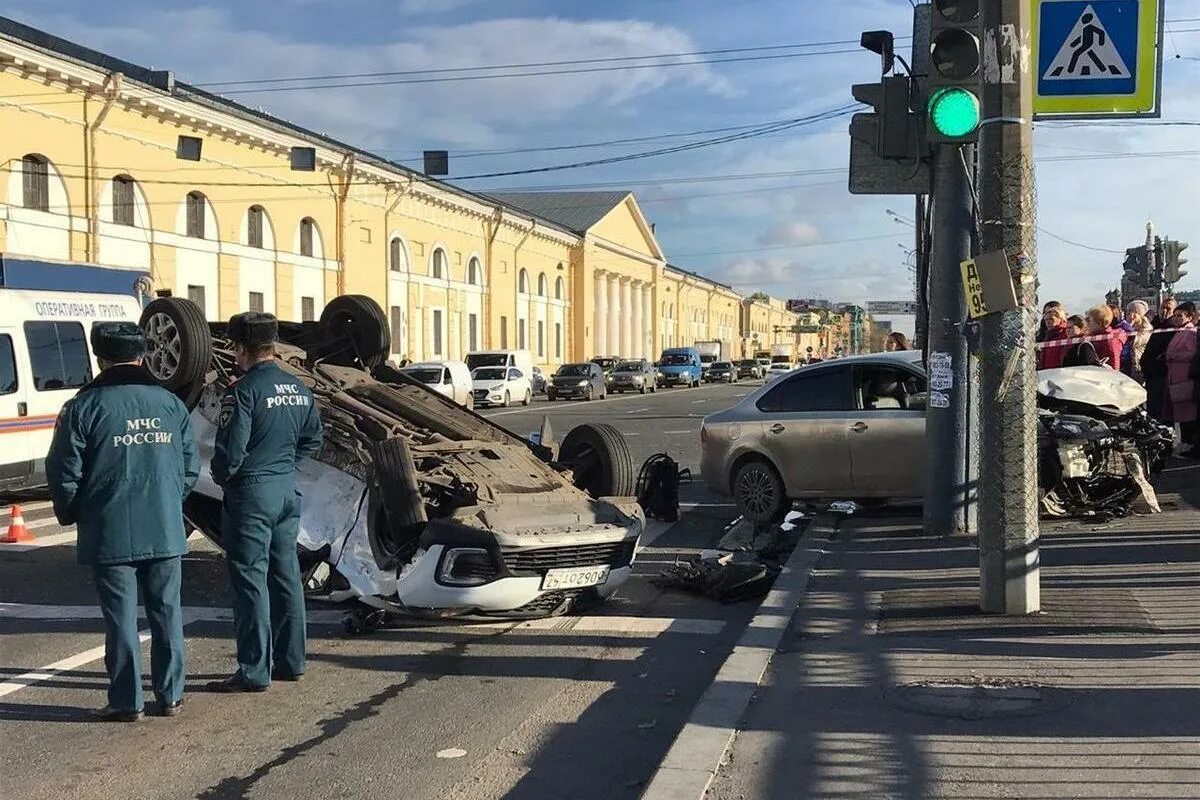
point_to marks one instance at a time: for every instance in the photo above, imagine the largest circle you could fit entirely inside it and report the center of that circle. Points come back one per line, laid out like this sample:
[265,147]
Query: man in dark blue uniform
[121,462]
[268,420]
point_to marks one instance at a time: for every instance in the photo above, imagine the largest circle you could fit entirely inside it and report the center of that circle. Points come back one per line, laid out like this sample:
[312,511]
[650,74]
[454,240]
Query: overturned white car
[416,505]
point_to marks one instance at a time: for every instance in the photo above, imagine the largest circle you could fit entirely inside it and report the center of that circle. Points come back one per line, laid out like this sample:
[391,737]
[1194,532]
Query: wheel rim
[164,346]
[757,491]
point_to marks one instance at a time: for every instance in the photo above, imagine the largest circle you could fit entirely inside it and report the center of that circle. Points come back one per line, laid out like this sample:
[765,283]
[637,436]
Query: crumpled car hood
[1101,387]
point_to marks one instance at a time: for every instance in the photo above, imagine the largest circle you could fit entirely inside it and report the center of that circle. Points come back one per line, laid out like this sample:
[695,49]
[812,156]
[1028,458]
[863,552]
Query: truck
[709,351]
[783,354]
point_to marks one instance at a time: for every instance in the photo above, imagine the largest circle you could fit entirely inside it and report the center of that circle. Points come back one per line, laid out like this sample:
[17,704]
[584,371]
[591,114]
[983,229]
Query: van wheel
[599,459]
[759,492]
[356,332]
[178,345]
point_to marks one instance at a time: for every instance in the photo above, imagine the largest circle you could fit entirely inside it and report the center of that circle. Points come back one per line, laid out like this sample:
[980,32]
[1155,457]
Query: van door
[16,455]
[59,364]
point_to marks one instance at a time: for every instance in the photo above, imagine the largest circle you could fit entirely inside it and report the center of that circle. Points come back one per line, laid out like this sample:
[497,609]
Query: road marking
[35,506]
[50,670]
[677,433]
[707,505]
[637,411]
[698,750]
[698,402]
[743,394]
[67,537]
[631,626]
[42,523]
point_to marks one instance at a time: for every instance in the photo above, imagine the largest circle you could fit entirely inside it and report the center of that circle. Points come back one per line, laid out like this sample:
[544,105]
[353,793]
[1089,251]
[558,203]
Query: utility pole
[1008,501]
[946,422]
[1152,266]
[921,263]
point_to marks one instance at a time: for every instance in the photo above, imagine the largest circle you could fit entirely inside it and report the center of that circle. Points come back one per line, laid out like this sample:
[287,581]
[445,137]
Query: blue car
[680,366]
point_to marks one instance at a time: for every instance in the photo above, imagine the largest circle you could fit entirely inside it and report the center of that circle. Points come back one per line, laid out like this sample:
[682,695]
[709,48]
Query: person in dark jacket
[1154,370]
[268,420]
[1166,312]
[120,464]
[1050,321]
[1080,354]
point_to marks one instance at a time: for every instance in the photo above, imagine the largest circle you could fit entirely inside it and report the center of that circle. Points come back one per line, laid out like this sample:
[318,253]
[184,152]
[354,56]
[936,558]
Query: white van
[449,378]
[45,356]
[521,359]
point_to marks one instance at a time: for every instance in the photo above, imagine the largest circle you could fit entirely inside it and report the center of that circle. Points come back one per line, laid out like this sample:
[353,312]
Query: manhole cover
[977,698]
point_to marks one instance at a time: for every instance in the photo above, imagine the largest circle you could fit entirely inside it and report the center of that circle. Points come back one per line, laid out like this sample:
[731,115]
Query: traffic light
[1172,262]
[952,104]
[892,129]
[1137,266]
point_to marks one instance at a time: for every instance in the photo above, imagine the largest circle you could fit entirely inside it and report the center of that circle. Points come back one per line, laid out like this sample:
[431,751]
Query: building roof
[164,81]
[575,211]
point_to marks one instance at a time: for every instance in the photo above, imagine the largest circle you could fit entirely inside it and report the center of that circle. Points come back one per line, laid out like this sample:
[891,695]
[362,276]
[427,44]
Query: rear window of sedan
[807,391]
[722,365]
[629,366]
[574,370]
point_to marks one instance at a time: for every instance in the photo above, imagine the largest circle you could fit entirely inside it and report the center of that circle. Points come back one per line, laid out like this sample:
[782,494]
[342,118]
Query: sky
[798,234]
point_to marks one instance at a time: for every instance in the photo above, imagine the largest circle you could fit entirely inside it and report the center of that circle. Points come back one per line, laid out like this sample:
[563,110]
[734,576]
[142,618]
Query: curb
[700,747]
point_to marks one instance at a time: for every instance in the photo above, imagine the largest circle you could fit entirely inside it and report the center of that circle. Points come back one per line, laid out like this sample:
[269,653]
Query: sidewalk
[891,684]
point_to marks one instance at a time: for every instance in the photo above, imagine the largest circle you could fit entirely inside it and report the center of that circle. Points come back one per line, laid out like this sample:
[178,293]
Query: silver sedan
[848,429]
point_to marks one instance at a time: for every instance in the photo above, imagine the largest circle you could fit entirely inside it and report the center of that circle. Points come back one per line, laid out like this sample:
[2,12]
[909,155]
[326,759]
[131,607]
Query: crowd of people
[1160,352]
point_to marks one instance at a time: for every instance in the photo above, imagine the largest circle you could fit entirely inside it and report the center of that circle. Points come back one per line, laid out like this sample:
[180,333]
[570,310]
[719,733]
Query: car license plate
[574,577]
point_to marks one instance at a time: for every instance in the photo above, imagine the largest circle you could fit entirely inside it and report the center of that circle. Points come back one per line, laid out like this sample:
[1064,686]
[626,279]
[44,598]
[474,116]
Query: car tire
[550,396]
[587,397]
[599,456]
[759,492]
[178,346]
[395,493]
[507,400]
[355,331]
[642,389]
[528,398]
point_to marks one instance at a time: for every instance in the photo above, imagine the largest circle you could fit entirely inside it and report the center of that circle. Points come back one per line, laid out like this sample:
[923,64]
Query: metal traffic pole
[1008,485]
[946,413]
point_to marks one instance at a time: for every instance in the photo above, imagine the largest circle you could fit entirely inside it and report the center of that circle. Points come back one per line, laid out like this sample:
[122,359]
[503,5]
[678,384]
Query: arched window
[558,288]
[197,207]
[35,174]
[542,285]
[124,206]
[473,272]
[439,264]
[254,226]
[523,282]
[397,257]
[307,226]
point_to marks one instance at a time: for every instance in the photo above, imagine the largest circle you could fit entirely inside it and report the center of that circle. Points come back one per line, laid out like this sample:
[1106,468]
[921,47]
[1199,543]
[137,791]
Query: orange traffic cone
[17,532]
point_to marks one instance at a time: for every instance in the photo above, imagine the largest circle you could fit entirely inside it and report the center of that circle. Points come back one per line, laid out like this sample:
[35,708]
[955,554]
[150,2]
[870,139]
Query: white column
[626,318]
[601,323]
[614,316]
[637,344]
[647,323]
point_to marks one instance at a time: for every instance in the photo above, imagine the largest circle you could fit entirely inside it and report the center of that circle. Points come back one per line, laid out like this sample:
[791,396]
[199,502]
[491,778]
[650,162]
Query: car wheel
[355,332]
[587,396]
[550,396]
[642,389]
[398,509]
[507,400]
[528,397]
[178,346]
[599,459]
[759,492]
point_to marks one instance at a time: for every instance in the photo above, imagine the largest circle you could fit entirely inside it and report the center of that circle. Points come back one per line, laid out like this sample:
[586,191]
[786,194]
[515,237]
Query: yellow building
[766,323]
[114,164]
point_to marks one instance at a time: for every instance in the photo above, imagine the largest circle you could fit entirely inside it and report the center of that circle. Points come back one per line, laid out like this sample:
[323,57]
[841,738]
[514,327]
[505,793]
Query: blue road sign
[1096,56]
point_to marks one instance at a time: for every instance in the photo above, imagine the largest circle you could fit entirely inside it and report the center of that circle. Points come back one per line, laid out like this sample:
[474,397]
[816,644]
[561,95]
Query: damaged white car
[416,505]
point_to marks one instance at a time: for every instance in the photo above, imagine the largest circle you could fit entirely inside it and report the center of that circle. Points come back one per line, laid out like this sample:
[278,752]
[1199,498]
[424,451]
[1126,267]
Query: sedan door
[805,419]
[887,434]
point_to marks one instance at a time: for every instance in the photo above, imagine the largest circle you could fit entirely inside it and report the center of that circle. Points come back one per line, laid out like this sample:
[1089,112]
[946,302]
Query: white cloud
[790,233]
[433,6]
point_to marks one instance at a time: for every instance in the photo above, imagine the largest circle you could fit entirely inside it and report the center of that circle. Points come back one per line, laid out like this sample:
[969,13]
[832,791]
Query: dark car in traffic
[721,372]
[584,380]
[608,365]
[638,375]
[749,368]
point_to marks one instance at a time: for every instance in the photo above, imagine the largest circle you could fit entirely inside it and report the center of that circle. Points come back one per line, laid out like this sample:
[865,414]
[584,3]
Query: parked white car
[778,370]
[448,378]
[501,386]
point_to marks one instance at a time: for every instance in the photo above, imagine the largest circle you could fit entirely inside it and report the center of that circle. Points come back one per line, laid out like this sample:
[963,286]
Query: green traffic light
[954,112]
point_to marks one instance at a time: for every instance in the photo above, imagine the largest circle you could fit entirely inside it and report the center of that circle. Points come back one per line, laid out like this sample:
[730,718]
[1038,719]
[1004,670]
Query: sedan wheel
[507,399]
[528,397]
[759,492]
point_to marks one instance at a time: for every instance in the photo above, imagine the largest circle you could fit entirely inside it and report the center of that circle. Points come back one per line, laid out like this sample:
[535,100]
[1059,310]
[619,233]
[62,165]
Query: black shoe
[233,684]
[290,677]
[110,714]
[169,709]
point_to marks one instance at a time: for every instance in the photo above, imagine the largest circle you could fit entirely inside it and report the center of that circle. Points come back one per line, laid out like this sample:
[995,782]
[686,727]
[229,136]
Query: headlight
[582,384]
[466,566]
[1077,429]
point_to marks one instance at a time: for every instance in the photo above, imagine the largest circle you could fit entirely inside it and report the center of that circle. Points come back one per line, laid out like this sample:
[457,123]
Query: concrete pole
[946,414]
[1008,486]
[921,264]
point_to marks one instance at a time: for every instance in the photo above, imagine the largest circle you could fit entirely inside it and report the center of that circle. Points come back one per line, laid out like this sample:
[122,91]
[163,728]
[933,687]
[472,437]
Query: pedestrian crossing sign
[1097,58]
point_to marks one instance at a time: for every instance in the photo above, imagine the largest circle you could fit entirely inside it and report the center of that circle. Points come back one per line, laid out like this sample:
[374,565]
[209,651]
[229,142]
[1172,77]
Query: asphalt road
[575,707]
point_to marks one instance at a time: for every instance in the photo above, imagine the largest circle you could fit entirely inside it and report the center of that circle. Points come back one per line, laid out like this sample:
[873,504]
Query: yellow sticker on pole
[988,284]
[973,289]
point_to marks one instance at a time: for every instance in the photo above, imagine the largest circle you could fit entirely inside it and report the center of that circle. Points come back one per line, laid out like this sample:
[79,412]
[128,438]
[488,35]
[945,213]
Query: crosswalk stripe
[53,540]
